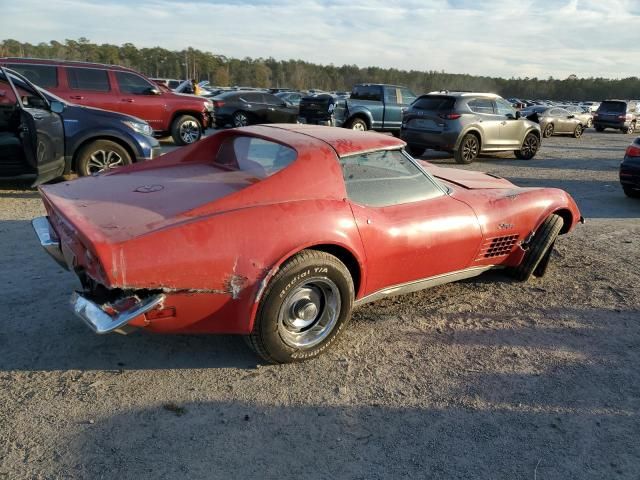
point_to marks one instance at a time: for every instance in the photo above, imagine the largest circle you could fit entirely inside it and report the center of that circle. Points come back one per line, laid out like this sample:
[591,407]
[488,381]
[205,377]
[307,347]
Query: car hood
[467,178]
[73,111]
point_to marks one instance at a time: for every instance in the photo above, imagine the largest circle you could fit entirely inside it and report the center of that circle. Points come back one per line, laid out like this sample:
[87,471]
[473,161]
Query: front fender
[359,111]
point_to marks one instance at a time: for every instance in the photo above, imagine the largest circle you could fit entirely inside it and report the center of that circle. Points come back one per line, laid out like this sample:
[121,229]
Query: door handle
[128,100]
[38,117]
[76,97]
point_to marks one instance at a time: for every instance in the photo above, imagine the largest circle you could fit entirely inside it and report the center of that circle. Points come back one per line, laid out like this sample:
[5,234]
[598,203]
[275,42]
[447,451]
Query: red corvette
[276,232]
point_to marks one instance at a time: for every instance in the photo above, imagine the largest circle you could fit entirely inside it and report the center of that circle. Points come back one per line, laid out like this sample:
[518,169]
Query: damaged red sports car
[276,232]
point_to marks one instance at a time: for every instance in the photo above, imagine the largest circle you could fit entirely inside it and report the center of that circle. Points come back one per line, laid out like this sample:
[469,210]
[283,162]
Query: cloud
[498,38]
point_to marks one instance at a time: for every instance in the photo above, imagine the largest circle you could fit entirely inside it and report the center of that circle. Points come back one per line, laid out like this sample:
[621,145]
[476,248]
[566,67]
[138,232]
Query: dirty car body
[195,241]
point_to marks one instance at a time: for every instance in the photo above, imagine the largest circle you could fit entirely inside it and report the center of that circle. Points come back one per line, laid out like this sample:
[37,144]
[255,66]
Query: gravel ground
[486,378]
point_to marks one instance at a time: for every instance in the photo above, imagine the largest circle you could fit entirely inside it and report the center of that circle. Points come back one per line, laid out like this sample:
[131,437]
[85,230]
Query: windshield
[261,158]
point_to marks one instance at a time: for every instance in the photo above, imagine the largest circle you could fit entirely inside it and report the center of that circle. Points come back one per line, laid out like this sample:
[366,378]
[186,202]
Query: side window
[88,79]
[481,105]
[133,84]
[386,178]
[406,96]
[261,158]
[272,99]
[367,92]
[252,97]
[555,112]
[45,76]
[504,108]
[391,95]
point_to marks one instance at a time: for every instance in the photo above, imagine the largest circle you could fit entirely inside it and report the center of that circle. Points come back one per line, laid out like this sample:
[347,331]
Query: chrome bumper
[101,322]
[48,240]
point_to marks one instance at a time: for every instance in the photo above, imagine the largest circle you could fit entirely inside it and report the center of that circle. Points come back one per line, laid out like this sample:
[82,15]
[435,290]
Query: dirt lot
[486,379]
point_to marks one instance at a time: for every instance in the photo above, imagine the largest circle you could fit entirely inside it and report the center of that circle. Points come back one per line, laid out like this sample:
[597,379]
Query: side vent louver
[497,247]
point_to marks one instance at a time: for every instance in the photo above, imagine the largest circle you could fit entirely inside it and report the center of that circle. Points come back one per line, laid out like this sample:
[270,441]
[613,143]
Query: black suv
[618,114]
[467,124]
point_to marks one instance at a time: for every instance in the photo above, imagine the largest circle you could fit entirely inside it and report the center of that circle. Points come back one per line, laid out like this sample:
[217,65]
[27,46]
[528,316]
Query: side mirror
[510,116]
[57,107]
[153,91]
[571,116]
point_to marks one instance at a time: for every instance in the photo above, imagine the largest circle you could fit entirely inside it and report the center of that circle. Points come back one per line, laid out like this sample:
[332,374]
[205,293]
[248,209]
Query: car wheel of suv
[240,119]
[100,156]
[529,148]
[631,192]
[577,133]
[186,130]
[469,149]
[548,131]
[415,151]
[631,128]
[536,259]
[358,124]
[304,309]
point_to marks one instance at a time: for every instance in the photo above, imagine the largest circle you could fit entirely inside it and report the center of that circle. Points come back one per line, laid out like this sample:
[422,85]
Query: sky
[503,38]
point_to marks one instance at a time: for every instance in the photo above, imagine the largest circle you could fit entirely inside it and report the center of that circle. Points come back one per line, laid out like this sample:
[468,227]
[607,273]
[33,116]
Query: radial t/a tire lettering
[537,257]
[304,309]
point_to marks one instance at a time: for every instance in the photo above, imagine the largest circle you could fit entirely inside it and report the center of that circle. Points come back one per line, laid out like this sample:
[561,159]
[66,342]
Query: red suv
[120,89]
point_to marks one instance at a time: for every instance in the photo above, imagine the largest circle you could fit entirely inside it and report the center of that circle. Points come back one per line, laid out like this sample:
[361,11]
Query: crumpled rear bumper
[101,322]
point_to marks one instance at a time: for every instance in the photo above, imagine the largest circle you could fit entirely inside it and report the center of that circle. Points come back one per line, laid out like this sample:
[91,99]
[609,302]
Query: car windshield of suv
[261,158]
[613,107]
[436,103]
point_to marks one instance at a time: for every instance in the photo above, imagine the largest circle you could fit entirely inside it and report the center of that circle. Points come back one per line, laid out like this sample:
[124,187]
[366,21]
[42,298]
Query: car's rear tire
[577,133]
[548,130]
[631,192]
[469,149]
[630,129]
[530,146]
[358,124]
[304,309]
[536,259]
[415,151]
[240,119]
[186,130]
[100,156]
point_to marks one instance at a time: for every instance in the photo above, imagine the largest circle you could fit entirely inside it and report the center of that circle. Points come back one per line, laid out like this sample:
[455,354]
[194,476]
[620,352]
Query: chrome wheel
[577,133]
[470,149]
[240,119]
[309,313]
[359,126]
[102,160]
[189,131]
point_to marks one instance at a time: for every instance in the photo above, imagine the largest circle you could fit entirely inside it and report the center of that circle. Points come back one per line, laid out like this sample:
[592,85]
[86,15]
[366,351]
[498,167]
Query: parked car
[591,106]
[517,103]
[294,251]
[619,114]
[242,108]
[468,124]
[557,121]
[122,90]
[170,83]
[630,170]
[370,107]
[93,140]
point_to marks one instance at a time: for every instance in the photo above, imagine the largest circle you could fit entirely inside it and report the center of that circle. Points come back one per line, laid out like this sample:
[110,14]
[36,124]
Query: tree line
[220,70]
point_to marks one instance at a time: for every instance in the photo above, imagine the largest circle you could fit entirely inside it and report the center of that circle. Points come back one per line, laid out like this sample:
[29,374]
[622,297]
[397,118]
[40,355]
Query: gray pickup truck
[371,106]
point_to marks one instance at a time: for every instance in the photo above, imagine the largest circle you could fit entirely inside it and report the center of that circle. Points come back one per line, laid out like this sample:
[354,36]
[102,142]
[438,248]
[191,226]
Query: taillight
[218,104]
[633,151]
[450,116]
[622,117]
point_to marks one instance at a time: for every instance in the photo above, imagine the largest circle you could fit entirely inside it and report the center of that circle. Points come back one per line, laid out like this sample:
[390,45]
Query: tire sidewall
[276,295]
[86,152]
[357,121]
[175,129]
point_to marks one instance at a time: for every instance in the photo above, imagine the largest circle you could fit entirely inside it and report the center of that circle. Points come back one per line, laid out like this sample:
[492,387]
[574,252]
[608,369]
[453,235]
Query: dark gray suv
[619,114]
[467,124]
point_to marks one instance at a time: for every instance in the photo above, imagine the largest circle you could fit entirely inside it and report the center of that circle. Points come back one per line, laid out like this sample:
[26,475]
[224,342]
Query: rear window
[261,158]
[434,103]
[45,76]
[88,79]
[613,107]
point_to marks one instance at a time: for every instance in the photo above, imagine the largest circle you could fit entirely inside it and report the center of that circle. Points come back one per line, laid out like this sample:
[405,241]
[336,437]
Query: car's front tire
[186,130]
[304,309]
[240,119]
[469,149]
[537,257]
[100,156]
[631,192]
[577,133]
[530,146]
[548,130]
[358,124]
